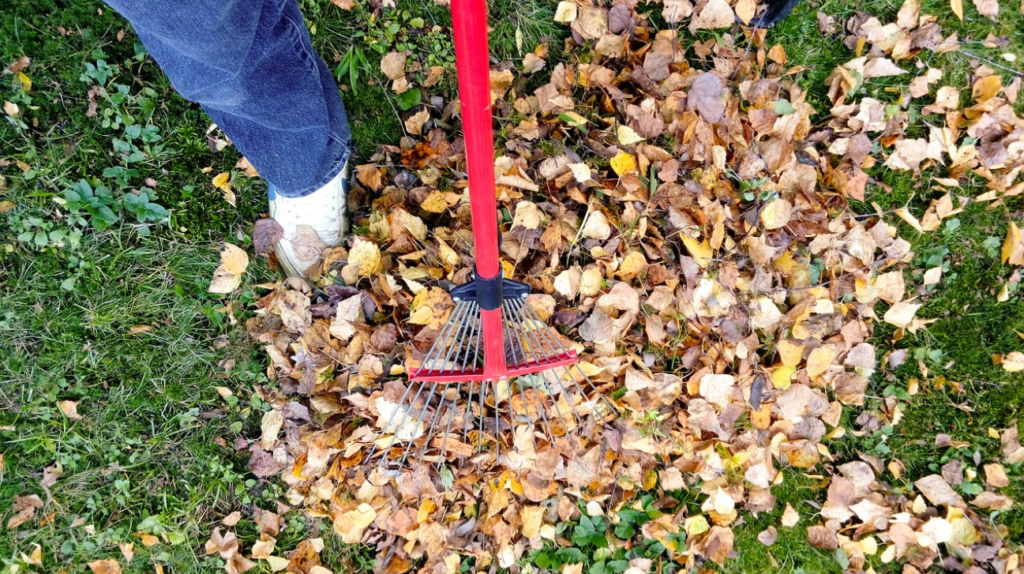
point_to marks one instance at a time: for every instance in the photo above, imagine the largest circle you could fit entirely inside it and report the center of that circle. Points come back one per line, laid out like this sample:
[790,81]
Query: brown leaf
[988,8]
[768,536]
[414,123]
[393,65]
[108,566]
[344,4]
[717,545]
[265,234]
[822,537]
[70,410]
[228,276]
[24,508]
[19,64]
[675,11]
[992,501]
[306,243]
[1013,452]
[995,475]
[714,14]
[938,491]
[127,550]
[705,96]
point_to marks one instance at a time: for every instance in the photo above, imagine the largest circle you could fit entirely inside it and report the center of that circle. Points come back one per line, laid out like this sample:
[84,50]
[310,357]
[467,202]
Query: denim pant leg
[251,65]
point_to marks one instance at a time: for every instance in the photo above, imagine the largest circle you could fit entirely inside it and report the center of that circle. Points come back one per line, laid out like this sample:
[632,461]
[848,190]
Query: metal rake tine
[469,408]
[448,429]
[536,338]
[446,331]
[553,342]
[464,350]
[526,405]
[450,326]
[433,423]
[388,423]
[563,349]
[508,338]
[455,341]
[483,415]
[405,415]
[474,336]
[390,554]
[405,454]
[497,422]
[419,421]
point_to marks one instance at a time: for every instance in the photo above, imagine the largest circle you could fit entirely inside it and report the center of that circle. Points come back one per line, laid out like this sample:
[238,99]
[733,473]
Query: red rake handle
[469,23]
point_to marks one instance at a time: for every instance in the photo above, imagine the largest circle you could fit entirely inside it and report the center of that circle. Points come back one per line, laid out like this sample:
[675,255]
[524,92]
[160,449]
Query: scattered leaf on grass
[228,276]
[70,410]
[107,566]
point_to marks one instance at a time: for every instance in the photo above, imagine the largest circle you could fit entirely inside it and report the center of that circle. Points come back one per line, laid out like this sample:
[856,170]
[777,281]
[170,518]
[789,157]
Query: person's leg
[251,65]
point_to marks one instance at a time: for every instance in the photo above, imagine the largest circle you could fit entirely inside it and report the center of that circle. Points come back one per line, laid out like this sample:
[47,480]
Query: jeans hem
[336,167]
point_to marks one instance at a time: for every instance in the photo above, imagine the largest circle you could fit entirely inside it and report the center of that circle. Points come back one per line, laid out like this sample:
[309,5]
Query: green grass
[153,450]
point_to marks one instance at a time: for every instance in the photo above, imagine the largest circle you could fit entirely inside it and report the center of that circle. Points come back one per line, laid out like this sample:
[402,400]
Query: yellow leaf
[1013,248]
[147,539]
[532,517]
[566,12]
[591,281]
[820,360]
[449,258]
[745,10]
[223,183]
[958,8]
[986,88]
[228,276]
[696,525]
[782,377]
[776,214]
[790,352]
[277,563]
[575,120]
[350,525]
[624,163]
[25,81]
[627,136]
[901,314]
[1013,362]
[700,250]
[631,265]
[904,214]
[363,261]
[435,202]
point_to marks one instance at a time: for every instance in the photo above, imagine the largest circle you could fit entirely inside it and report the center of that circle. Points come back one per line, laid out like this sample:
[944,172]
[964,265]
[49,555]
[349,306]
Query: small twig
[384,88]
[990,63]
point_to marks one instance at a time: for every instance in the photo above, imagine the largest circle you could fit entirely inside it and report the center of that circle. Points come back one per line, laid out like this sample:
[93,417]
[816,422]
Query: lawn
[125,387]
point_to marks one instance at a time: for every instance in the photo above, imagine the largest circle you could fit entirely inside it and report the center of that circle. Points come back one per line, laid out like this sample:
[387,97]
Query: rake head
[486,373]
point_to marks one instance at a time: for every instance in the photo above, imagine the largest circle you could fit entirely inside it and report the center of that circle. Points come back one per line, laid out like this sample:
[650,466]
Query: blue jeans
[251,65]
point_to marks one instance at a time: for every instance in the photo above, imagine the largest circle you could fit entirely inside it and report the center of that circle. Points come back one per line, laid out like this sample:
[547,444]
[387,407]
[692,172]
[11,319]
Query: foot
[310,223]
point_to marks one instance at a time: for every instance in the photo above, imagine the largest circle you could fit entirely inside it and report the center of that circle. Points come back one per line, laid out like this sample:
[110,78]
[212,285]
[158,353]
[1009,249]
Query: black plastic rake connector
[489,293]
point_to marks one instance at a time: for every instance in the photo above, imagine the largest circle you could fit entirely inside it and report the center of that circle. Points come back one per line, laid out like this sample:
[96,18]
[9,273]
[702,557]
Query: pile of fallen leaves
[682,215]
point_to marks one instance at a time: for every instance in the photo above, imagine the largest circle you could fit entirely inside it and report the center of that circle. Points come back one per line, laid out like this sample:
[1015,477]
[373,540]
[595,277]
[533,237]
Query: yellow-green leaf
[624,163]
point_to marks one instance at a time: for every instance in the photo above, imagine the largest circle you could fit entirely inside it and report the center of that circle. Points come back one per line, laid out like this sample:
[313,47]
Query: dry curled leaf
[228,276]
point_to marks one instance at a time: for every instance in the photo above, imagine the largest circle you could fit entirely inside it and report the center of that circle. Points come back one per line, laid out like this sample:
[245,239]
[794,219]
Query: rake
[496,365]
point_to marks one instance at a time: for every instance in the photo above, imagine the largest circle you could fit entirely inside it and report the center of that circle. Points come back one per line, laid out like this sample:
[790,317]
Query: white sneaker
[310,223]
